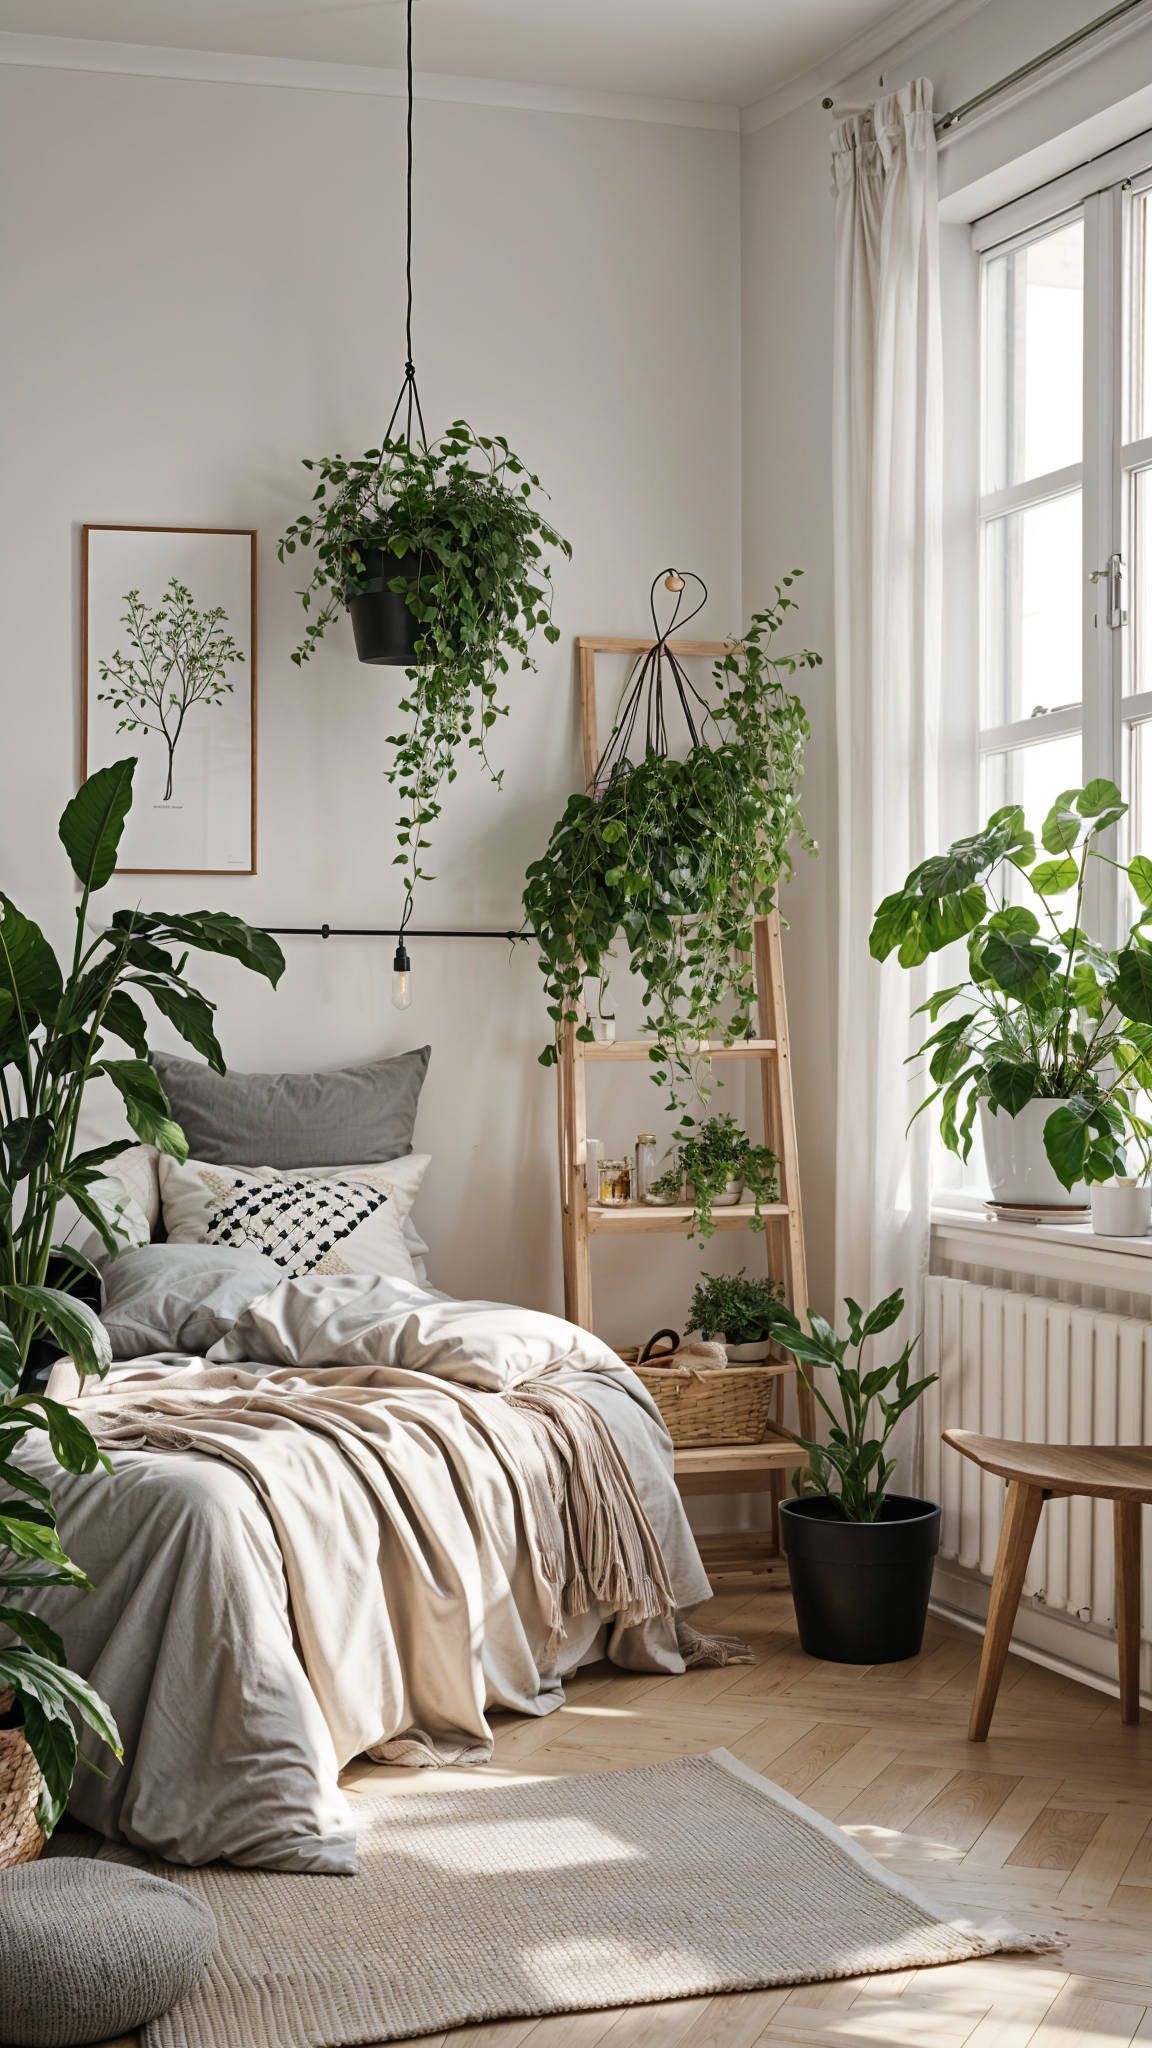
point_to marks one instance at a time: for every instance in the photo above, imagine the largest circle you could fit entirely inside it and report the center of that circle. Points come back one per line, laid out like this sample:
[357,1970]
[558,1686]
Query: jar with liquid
[645,1172]
[615,1183]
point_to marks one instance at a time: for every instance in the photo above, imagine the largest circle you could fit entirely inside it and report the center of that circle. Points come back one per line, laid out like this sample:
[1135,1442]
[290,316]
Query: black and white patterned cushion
[297,1223]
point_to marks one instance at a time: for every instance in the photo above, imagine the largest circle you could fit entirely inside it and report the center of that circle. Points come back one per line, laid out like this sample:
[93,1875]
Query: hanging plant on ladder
[679,855]
[437,550]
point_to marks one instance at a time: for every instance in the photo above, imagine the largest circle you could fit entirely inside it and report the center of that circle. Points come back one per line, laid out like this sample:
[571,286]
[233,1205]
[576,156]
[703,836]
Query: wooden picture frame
[212,829]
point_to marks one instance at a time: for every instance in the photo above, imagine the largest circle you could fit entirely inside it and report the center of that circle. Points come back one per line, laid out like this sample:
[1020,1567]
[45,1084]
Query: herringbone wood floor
[1050,1822]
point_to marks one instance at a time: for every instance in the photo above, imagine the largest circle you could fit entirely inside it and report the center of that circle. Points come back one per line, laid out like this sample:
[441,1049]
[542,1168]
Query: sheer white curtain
[887,433]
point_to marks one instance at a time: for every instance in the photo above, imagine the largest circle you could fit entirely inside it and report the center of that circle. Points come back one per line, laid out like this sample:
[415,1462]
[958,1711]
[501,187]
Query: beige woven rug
[490,1901]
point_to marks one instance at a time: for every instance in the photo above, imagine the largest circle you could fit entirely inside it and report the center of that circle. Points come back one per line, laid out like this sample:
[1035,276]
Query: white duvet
[203,1559]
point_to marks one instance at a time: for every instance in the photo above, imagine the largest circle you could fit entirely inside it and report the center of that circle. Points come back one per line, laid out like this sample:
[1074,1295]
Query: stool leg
[1126,1523]
[1019,1527]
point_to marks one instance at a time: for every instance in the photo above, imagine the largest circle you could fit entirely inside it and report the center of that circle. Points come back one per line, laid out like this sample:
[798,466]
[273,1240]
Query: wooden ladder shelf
[732,1468]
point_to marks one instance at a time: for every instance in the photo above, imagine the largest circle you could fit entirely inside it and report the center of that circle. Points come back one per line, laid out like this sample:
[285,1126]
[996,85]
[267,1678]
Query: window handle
[1117,616]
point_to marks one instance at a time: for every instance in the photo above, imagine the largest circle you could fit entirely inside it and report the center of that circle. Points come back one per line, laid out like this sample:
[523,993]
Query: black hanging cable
[408,388]
[646,684]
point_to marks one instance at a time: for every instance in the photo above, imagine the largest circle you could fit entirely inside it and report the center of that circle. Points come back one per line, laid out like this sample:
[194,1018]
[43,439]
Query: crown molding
[847,73]
[148,60]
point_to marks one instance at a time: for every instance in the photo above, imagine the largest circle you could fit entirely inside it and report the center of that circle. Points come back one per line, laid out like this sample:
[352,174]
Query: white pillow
[412,1238]
[137,1172]
[350,1221]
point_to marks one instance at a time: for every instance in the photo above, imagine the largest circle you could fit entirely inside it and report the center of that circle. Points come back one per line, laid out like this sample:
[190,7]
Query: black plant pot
[861,1589]
[386,630]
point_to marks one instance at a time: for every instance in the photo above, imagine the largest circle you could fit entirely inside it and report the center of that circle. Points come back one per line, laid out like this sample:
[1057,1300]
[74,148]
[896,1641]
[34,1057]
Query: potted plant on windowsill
[1053,1040]
[744,1314]
[437,551]
[54,1025]
[859,1558]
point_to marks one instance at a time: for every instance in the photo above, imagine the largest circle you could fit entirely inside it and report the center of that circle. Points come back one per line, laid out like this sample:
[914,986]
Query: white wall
[204,283]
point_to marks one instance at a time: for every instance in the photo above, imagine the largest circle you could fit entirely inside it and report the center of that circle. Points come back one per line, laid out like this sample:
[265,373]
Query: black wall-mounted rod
[359,931]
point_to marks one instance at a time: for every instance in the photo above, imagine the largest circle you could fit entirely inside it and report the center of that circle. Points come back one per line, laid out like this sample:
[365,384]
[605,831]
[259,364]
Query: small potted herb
[721,1163]
[859,1558]
[743,1314]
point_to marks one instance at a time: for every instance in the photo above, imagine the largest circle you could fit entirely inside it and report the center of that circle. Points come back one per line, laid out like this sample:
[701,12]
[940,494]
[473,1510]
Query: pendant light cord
[408,389]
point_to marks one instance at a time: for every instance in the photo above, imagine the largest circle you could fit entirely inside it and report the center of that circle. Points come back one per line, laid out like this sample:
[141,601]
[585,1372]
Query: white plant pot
[1018,1169]
[749,1354]
[1120,1209]
[733,1190]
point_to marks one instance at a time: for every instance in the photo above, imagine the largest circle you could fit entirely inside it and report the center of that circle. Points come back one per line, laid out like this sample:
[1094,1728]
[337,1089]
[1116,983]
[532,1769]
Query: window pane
[1139,255]
[1138,785]
[1031,599]
[1136,587]
[1032,776]
[1033,357]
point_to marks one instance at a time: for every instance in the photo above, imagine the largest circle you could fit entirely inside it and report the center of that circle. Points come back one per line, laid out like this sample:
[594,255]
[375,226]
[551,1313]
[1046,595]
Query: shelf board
[638,1216]
[640,1048]
[735,1468]
[728,1559]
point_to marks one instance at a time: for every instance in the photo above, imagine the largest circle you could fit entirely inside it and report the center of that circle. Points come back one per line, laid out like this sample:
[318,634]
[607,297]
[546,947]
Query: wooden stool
[1040,1472]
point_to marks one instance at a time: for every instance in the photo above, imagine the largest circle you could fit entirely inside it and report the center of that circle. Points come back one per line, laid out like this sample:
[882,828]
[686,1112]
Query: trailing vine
[680,855]
[463,506]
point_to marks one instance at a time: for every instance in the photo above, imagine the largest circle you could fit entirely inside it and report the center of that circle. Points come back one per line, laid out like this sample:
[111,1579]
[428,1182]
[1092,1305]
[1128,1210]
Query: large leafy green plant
[680,855]
[53,1030]
[851,1467]
[463,505]
[1046,1013]
[740,1310]
[711,1154]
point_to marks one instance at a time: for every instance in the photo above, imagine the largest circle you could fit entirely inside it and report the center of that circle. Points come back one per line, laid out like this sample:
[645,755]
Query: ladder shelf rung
[639,1216]
[640,1049]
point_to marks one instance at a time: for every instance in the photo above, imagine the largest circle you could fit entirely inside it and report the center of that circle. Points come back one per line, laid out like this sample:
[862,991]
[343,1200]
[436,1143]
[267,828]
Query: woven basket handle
[648,1350]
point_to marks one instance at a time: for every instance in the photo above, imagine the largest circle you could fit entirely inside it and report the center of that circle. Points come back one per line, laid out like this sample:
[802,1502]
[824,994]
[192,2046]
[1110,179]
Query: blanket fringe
[700,1651]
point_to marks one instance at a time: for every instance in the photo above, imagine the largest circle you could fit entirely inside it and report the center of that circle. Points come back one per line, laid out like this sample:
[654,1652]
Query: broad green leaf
[146,1105]
[191,1013]
[1064,823]
[94,820]
[27,1142]
[26,1482]
[110,1209]
[29,1537]
[1132,989]
[52,1740]
[1140,876]
[1016,962]
[73,1445]
[34,1632]
[1054,877]
[1068,1141]
[1102,802]
[10,1367]
[125,1019]
[1011,1085]
[28,967]
[76,1329]
[885,1314]
[99,1155]
[211,931]
[1016,919]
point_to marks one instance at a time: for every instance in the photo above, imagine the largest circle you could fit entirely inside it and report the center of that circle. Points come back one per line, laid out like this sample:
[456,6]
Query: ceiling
[731,52]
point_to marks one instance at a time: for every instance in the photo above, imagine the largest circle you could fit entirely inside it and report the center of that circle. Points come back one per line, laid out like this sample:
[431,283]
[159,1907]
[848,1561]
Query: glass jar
[645,1172]
[615,1183]
[666,1185]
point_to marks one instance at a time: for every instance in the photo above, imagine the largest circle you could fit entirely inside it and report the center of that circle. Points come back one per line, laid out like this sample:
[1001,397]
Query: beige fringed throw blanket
[430,1483]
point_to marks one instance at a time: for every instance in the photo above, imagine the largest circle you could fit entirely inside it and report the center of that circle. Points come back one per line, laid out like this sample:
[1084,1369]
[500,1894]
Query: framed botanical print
[168,659]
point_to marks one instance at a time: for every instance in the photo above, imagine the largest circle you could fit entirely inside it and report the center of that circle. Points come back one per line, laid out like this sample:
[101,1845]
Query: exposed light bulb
[401,979]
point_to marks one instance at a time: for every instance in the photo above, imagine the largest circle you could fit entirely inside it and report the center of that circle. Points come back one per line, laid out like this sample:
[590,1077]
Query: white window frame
[1106,715]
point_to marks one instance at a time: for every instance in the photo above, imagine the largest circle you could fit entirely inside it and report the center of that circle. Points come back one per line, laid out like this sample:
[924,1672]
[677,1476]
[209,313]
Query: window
[1066,516]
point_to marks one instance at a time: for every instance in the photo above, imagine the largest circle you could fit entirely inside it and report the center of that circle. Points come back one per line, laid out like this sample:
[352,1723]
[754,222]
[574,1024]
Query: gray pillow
[179,1297]
[354,1117]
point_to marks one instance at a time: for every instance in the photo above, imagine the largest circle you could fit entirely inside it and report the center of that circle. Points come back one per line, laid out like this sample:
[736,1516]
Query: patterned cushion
[303,1223]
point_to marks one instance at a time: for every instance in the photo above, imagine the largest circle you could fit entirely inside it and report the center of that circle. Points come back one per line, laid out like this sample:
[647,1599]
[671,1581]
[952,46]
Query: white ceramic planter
[1018,1169]
[1121,1209]
[733,1190]
[749,1354]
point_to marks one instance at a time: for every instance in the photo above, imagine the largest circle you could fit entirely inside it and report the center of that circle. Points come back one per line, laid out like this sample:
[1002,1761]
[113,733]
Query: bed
[334,1523]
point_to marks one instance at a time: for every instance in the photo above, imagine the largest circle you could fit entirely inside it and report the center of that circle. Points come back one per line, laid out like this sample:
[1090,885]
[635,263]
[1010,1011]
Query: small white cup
[604,1030]
[1121,1209]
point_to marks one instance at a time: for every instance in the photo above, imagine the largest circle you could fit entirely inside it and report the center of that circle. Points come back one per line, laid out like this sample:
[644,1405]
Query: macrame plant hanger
[646,685]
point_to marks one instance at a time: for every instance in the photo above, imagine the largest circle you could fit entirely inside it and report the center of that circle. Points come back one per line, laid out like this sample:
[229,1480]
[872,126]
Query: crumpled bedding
[206,1563]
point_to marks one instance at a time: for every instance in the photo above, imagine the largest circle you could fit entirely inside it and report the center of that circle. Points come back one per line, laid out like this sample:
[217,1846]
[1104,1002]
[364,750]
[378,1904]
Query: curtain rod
[1071,42]
[361,931]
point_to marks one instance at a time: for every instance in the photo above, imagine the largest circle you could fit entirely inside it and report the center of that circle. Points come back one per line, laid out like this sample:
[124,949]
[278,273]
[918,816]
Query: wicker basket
[729,1407]
[20,1838]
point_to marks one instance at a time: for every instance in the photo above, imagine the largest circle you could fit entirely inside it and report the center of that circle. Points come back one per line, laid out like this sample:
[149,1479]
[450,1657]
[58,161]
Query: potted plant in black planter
[437,551]
[859,1559]
[744,1314]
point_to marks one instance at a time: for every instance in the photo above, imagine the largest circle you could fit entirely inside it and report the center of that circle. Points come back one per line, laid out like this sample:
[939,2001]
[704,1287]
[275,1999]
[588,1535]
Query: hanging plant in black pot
[437,551]
[859,1558]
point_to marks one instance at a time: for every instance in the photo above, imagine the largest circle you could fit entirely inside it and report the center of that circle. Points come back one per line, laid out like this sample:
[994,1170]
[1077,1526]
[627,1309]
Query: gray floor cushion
[90,1950]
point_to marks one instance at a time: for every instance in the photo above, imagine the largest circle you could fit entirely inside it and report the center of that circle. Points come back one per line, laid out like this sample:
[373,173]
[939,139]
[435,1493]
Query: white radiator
[1040,1371]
